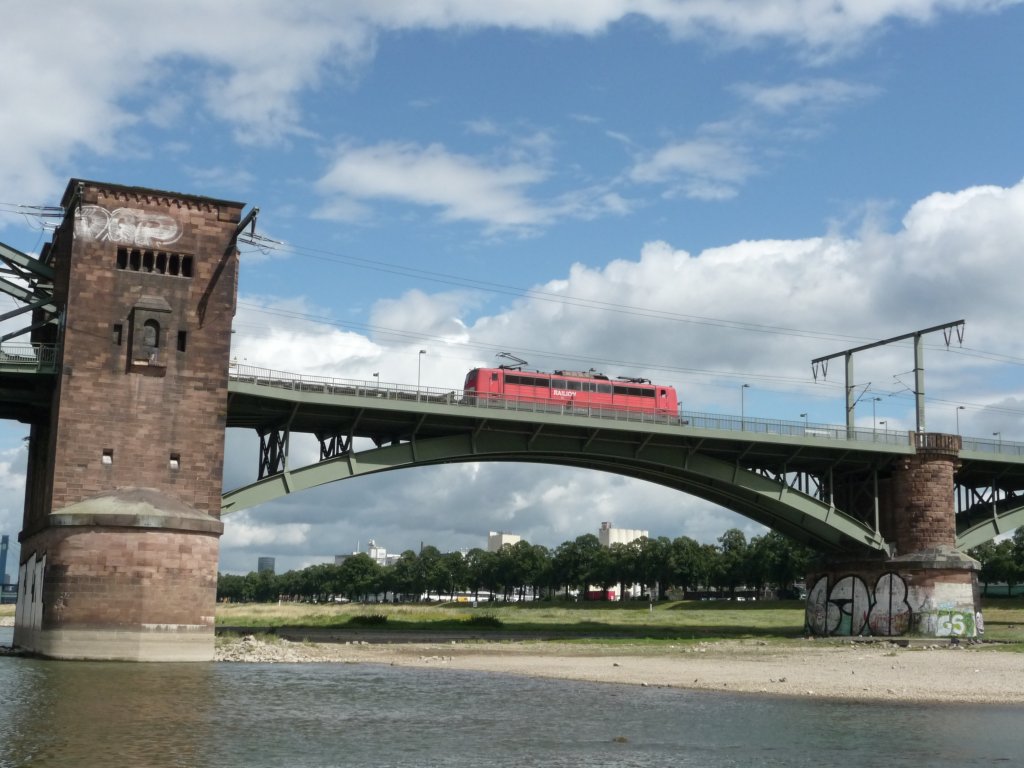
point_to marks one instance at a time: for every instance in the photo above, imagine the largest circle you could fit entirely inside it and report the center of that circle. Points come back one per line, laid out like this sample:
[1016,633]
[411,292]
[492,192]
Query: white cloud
[244,533]
[702,168]
[810,94]
[290,335]
[461,187]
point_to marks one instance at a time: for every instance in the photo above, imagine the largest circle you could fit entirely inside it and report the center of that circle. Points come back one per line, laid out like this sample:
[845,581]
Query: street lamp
[958,409]
[882,424]
[999,440]
[873,401]
[419,368]
[743,388]
[804,417]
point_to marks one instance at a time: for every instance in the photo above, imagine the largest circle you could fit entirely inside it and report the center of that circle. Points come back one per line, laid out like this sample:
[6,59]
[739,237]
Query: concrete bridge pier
[926,587]
[121,527]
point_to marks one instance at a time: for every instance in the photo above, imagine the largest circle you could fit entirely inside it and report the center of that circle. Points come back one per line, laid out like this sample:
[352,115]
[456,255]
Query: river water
[318,715]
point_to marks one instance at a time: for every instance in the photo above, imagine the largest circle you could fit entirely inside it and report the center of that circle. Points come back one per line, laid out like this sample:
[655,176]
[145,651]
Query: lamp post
[882,424]
[743,423]
[873,401]
[958,409]
[999,441]
[804,417]
[376,375]
[419,368]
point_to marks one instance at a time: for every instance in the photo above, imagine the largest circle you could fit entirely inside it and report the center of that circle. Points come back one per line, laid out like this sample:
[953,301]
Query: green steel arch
[770,502]
[1008,517]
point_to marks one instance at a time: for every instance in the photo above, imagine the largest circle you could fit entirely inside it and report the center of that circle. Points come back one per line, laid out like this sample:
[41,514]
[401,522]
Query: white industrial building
[498,539]
[609,534]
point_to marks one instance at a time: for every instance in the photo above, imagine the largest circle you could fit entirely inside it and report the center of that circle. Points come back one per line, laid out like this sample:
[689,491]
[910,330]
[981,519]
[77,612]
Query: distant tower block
[498,539]
[120,539]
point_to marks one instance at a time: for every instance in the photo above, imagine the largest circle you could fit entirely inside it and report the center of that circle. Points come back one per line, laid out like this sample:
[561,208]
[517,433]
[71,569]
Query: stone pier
[121,527]
[925,587]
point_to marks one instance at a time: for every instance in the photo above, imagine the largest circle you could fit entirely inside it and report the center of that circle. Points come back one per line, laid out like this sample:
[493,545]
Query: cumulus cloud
[766,308]
[277,333]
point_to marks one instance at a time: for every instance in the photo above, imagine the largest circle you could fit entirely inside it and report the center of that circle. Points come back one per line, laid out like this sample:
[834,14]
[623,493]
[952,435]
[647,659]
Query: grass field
[1004,619]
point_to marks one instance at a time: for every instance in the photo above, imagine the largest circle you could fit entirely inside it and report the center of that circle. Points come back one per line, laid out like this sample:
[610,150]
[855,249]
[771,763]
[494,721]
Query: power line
[266,245]
[540,295]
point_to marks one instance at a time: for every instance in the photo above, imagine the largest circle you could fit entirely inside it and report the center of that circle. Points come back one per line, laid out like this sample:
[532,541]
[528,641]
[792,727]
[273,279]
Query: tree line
[1001,562]
[658,565]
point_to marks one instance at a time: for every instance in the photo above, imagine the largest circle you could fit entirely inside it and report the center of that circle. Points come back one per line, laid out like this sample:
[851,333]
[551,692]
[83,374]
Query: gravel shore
[869,671]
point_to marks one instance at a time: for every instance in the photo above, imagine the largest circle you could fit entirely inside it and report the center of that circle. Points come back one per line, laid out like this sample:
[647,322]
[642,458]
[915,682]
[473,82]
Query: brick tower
[120,538]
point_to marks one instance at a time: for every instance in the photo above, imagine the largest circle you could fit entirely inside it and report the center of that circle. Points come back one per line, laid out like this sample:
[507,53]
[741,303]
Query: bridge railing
[25,357]
[996,445]
[685,419]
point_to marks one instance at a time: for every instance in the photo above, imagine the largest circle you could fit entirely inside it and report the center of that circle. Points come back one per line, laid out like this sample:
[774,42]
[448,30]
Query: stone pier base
[130,575]
[931,593]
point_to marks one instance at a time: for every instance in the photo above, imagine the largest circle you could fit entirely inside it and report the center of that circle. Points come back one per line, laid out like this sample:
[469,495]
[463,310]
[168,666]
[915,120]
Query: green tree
[540,569]
[477,563]
[602,571]
[1002,566]
[735,565]
[359,576]
[452,573]
[654,564]
[625,564]
[404,576]
[260,587]
[688,566]
[230,587]
[777,560]
[574,562]
[710,565]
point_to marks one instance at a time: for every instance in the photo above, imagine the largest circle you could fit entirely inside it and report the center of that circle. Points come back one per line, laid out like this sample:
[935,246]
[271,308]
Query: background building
[379,555]
[609,534]
[265,564]
[497,539]
[4,541]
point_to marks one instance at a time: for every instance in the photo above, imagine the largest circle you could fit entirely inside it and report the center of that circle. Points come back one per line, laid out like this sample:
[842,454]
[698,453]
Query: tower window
[155,262]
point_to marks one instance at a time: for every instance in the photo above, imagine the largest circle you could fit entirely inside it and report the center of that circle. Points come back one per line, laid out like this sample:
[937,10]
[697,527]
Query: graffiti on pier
[890,612]
[848,608]
[127,226]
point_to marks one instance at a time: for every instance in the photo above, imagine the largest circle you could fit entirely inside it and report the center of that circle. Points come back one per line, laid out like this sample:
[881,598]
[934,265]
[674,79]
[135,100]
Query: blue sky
[734,189]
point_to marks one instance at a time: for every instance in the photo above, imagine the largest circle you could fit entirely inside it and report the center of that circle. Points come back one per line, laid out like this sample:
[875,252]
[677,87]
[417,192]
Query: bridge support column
[926,588]
[120,537]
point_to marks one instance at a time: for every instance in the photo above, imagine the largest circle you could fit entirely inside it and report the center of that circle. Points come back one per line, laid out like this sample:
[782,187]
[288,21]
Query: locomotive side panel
[571,390]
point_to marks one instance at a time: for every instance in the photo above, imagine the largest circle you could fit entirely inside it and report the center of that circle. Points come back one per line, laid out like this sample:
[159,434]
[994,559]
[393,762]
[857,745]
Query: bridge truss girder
[770,501]
[985,513]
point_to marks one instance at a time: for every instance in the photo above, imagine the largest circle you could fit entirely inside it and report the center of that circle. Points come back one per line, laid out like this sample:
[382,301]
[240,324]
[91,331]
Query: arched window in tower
[151,339]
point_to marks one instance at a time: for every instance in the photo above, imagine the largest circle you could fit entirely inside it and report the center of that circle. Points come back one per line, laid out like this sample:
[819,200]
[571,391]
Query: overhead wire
[266,245]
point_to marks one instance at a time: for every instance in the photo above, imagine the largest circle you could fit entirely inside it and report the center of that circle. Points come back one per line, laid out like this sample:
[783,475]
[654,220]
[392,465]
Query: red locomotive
[570,390]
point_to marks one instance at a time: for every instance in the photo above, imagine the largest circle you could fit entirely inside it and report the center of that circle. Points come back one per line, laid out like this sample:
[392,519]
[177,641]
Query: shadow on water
[68,713]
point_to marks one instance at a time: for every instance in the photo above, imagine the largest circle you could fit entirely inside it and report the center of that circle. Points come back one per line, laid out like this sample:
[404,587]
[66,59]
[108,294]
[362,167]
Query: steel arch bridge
[780,474]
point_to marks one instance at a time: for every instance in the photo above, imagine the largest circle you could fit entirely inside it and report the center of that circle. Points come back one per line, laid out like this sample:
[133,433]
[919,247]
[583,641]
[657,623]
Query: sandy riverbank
[816,668]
